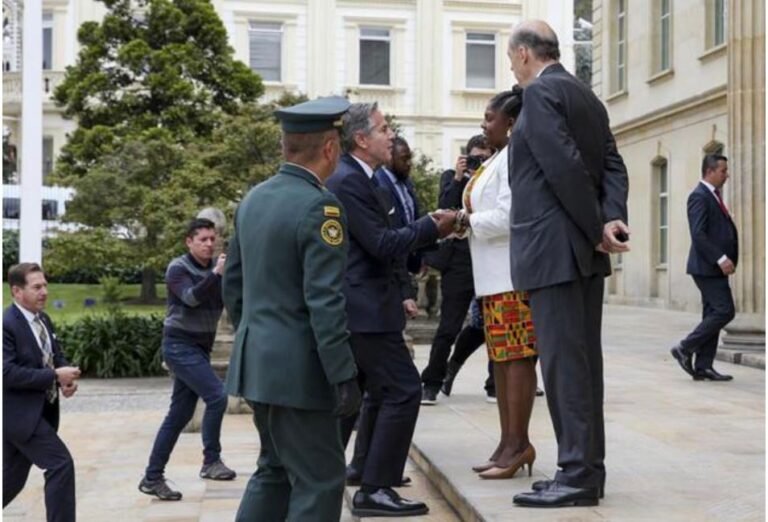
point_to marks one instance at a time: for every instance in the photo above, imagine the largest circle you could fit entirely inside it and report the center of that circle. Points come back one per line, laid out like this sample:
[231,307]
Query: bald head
[538,37]
[532,46]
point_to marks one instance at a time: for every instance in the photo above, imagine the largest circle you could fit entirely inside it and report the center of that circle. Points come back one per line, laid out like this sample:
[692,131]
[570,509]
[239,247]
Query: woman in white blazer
[509,334]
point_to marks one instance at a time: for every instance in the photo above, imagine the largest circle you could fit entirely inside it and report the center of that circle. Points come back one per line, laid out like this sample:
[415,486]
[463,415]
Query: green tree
[153,84]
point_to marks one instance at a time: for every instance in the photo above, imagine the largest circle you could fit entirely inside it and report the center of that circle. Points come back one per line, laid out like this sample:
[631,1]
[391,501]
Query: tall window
[50,209]
[265,48]
[718,22]
[665,39]
[481,58]
[374,56]
[47,157]
[11,208]
[47,40]
[620,47]
[662,191]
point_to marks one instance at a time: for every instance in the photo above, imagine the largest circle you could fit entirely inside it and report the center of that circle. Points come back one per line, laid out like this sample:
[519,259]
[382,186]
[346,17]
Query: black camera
[474,162]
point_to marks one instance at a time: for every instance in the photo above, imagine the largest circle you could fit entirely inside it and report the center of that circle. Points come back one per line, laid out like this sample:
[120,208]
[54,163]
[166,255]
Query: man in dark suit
[34,369]
[569,193]
[713,257]
[282,286]
[375,308]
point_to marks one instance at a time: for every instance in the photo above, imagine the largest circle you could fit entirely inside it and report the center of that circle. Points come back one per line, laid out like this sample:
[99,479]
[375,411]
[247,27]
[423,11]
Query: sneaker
[490,396]
[217,471]
[429,396]
[158,488]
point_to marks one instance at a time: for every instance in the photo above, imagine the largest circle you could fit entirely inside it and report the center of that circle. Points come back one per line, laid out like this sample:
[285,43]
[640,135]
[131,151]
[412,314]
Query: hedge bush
[114,344]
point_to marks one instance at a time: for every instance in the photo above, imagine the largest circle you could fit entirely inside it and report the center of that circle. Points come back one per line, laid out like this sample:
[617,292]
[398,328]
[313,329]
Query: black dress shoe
[450,376]
[540,485]
[711,375]
[558,495]
[355,479]
[385,502]
[429,396]
[684,359]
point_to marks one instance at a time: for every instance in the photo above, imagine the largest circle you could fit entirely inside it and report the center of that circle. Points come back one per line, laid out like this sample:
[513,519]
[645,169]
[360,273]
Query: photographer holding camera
[453,261]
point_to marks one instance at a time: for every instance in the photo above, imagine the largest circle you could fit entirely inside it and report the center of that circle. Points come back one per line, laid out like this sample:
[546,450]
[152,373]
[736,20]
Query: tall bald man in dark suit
[569,210]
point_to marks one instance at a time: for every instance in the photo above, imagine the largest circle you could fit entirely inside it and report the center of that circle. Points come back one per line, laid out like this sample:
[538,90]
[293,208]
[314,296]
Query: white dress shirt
[367,168]
[30,317]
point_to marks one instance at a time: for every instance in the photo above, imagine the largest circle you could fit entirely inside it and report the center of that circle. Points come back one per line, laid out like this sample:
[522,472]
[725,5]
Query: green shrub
[114,345]
[111,291]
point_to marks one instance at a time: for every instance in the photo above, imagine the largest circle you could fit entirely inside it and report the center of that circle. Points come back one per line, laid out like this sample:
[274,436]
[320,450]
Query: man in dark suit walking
[375,308]
[34,369]
[569,195]
[713,257]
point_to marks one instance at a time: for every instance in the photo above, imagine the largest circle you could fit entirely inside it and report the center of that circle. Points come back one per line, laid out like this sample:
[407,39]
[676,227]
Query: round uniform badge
[332,232]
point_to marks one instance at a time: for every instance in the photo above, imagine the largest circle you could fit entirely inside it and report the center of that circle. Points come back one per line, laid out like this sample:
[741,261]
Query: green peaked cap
[314,115]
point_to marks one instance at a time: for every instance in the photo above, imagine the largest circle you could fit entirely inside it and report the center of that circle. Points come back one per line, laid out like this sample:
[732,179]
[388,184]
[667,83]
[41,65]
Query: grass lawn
[73,296]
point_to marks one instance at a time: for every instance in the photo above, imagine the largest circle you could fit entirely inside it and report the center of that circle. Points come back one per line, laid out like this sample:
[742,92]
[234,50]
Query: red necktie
[720,201]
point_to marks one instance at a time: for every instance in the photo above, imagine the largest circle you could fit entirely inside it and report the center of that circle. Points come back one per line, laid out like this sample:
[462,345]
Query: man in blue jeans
[194,309]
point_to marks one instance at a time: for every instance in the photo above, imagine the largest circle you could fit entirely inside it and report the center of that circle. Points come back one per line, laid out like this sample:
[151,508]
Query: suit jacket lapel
[31,340]
[393,195]
[376,192]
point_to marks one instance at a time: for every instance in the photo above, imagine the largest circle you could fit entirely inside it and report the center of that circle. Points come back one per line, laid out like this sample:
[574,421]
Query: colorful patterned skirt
[509,331]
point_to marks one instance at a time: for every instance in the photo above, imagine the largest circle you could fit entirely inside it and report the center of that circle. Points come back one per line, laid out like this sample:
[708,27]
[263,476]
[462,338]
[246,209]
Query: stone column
[31,225]
[746,154]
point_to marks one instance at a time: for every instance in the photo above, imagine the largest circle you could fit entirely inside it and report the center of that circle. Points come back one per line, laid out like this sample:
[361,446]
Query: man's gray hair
[357,120]
[542,47]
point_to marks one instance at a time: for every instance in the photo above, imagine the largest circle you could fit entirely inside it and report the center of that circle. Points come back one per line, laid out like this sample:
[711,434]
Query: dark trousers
[717,313]
[456,300]
[393,395]
[300,474]
[567,318]
[193,378]
[45,450]
[469,340]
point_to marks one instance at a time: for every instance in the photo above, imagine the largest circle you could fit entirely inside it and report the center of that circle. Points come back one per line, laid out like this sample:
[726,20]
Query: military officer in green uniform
[291,359]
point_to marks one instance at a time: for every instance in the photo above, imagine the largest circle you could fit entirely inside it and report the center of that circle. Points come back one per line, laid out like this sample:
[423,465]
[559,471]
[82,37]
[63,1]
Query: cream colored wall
[695,70]
[673,115]
[681,141]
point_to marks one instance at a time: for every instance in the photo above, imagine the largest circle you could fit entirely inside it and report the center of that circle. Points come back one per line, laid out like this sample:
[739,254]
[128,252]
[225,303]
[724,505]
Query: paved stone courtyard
[677,449]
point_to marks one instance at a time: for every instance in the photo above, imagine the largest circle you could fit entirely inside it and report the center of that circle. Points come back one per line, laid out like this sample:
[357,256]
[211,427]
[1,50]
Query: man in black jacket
[456,284]
[569,209]
[34,370]
[713,257]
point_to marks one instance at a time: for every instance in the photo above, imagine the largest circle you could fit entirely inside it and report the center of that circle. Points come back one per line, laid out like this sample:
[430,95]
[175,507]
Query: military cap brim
[313,116]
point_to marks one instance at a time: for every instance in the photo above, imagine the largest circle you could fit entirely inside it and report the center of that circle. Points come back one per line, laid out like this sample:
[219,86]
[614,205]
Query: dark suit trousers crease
[718,311]
[300,474]
[453,311]
[45,450]
[393,395]
[567,318]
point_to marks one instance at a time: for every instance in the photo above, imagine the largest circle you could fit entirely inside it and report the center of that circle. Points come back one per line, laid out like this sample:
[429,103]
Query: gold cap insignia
[332,232]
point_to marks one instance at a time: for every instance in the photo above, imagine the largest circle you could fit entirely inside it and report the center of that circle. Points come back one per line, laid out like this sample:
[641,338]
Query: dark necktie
[45,347]
[722,204]
[407,203]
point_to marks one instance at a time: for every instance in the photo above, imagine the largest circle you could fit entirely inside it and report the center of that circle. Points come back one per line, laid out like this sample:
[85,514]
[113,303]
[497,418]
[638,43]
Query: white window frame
[620,60]
[484,42]
[267,27]
[664,53]
[661,173]
[374,38]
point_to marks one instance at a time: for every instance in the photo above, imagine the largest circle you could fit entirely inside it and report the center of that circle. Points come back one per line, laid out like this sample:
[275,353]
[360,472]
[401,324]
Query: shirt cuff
[722,260]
